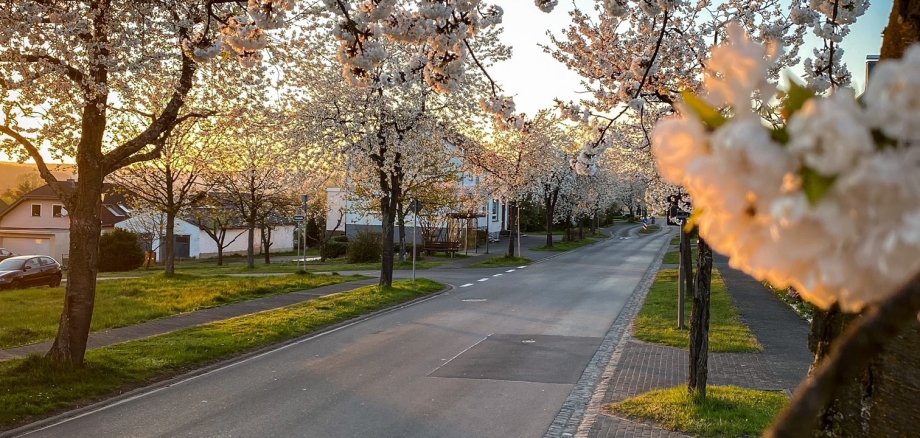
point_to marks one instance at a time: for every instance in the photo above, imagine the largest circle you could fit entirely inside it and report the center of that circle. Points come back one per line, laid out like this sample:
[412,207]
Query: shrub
[365,248]
[120,250]
[333,249]
[340,238]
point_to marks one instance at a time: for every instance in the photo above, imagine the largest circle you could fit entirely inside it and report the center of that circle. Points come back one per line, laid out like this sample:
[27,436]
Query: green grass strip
[34,387]
[727,411]
[657,320]
[31,315]
[501,262]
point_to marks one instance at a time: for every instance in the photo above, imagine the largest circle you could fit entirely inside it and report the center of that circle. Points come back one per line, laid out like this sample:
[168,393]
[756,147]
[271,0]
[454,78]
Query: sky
[534,78]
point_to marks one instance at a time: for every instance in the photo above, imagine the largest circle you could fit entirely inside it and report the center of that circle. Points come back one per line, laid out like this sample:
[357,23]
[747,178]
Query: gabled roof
[3,206]
[113,207]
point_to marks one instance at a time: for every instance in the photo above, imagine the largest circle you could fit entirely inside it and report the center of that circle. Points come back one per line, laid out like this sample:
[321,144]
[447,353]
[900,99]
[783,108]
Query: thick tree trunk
[388,219]
[512,227]
[903,28]
[169,260]
[686,271]
[85,227]
[699,322]
[220,255]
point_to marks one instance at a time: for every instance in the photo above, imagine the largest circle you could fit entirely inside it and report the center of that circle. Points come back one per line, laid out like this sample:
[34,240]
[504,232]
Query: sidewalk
[637,367]
[185,320]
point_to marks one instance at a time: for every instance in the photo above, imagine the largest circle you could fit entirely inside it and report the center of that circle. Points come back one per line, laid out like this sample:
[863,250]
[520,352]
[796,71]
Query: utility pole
[303,232]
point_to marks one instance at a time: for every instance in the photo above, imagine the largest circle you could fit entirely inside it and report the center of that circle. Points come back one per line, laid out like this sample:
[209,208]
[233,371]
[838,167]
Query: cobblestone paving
[640,367]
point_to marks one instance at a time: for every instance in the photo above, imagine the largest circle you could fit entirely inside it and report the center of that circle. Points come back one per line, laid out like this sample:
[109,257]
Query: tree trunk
[388,219]
[267,243]
[401,215]
[903,28]
[169,260]
[699,322]
[549,207]
[69,345]
[686,270]
[512,222]
[250,245]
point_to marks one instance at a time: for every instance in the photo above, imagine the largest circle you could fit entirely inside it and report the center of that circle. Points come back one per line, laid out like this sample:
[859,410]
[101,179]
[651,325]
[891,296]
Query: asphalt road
[490,358]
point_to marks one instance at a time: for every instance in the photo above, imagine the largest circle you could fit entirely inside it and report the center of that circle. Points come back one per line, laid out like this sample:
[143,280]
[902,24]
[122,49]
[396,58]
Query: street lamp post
[415,206]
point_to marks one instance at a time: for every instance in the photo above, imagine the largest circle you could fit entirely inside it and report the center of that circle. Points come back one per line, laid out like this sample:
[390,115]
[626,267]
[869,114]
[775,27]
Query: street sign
[298,218]
[415,206]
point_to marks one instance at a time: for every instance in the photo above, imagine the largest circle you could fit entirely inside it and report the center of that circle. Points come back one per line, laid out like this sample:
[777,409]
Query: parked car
[32,270]
[5,254]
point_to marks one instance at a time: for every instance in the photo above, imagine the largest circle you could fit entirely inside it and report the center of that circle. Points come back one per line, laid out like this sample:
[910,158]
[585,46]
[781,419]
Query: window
[36,210]
[495,210]
[32,264]
[57,210]
[47,261]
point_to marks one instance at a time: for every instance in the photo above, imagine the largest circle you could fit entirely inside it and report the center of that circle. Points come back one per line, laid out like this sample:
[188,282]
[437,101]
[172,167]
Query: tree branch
[39,162]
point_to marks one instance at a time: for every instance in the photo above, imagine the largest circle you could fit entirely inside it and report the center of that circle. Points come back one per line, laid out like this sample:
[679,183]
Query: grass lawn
[33,387]
[330,265]
[566,245]
[501,262]
[727,411]
[31,315]
[657,320]
[673,257]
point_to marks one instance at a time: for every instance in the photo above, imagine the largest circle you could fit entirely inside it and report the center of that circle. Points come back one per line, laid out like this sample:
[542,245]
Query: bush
[333,249]
[340,238]
[365,248]
[120,250]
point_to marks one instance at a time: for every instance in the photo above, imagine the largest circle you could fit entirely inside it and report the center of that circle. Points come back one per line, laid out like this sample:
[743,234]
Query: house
[481,213]
[37,223]
[193,241]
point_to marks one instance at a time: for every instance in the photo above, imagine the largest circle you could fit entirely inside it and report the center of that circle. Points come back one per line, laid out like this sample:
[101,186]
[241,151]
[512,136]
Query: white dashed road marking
[521,267]
[498,275]
[483,279]
[466,285]
[510,270]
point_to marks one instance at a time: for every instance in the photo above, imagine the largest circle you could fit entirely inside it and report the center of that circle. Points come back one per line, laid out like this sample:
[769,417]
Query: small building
[37,223]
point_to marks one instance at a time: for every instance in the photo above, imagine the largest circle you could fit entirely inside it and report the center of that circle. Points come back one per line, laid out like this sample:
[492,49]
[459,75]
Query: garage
[27,245]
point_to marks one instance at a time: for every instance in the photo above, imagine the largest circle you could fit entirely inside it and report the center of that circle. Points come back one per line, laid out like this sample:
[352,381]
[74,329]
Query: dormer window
[36,210]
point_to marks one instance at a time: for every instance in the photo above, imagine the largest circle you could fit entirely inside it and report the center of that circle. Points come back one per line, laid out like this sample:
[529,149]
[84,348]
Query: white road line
[483,279]
[466,285]
[498,275]
[458,354]
[474,300]
[521,267]
[510,270]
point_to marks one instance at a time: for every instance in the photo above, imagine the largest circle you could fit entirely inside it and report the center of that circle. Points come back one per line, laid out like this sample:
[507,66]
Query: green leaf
[710,116]
[815,184]
[690,224]
[795,98]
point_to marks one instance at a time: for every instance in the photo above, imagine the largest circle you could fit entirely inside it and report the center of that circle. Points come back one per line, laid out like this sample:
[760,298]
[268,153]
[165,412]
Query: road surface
[494,357]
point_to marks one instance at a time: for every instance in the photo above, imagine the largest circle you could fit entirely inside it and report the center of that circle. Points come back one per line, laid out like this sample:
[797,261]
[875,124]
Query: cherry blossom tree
[170,183]
[73,76]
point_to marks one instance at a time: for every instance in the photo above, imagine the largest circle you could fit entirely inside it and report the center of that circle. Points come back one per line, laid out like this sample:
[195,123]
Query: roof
[3,206]
[113,203]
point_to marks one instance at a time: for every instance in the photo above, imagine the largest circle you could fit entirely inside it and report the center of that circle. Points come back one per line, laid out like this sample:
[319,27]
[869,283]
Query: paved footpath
[637,367]
[184,320]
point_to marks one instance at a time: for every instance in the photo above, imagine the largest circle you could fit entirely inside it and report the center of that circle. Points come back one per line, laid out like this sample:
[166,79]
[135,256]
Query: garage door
[27,246]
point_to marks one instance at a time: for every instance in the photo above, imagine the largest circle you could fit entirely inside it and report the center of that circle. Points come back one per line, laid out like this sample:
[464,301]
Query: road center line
[498,275]
[483,279]
[521,267]
[510,270]
[466,285]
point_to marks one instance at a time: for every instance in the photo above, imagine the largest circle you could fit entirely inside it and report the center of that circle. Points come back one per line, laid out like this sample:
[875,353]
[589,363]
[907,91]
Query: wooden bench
[447,247]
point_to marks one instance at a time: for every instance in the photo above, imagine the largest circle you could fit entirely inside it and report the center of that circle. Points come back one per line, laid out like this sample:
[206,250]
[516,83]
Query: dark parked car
[5,254]
[33,270]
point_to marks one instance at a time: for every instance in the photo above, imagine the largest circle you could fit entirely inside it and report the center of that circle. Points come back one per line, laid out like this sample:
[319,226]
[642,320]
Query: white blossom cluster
[833,211]
[829,20]
[242,35]
[438,28]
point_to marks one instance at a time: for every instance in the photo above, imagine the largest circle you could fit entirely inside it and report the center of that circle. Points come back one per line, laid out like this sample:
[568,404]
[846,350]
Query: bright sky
[534,78]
